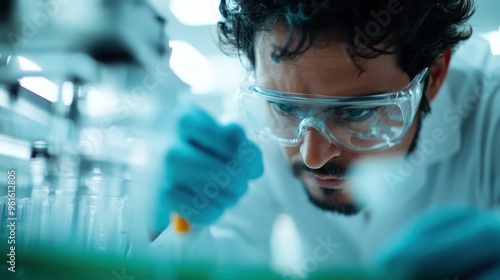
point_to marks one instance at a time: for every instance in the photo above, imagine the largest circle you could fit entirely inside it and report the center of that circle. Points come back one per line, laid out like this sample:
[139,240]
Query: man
[334,83]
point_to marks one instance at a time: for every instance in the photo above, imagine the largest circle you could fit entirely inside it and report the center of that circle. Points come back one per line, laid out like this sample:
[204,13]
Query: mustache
[330,169]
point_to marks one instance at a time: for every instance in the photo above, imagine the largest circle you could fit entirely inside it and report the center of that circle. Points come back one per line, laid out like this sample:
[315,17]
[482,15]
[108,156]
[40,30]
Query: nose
[315,149]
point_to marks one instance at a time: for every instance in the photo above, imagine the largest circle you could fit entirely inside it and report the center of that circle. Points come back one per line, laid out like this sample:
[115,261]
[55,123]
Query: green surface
[52,265]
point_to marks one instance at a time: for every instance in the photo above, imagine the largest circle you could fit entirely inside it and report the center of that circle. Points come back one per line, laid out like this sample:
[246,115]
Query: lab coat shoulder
[476,94]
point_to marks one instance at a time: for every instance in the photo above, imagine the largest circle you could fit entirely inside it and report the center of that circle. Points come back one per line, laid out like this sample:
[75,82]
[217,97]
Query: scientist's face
[322,166]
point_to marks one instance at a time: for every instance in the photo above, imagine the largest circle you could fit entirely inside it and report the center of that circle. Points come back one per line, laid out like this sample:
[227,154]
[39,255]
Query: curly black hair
[417,32]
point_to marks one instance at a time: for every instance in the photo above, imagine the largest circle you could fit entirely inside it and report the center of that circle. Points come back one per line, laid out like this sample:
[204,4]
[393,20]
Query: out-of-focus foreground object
[86,93]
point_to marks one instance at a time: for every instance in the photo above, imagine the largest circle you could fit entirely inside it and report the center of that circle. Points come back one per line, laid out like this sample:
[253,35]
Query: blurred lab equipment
[85,98]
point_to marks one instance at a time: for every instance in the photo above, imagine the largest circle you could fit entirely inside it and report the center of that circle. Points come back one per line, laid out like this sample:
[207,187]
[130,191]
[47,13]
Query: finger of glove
[198,171]
[214,183]
[193,207]
[161,218]
[491,274]
[249,157]
[414,235]
[437,241]
[186,164]
[246,160]
[201,198]
[199,129]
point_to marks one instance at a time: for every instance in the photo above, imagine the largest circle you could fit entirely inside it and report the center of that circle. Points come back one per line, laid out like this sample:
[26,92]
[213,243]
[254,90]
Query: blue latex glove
[208,167]
[451,242]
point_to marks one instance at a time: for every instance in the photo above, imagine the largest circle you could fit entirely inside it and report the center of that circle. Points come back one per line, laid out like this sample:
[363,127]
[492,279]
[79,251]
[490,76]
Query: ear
[437,74]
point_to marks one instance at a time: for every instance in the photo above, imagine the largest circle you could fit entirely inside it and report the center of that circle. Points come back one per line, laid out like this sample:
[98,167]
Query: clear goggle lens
[367,123]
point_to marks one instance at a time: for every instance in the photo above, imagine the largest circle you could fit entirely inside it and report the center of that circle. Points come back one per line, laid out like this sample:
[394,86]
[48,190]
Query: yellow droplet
[180,224]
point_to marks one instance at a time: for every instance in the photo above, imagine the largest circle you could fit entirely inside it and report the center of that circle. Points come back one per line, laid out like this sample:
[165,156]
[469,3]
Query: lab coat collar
[440,136]
[439,140]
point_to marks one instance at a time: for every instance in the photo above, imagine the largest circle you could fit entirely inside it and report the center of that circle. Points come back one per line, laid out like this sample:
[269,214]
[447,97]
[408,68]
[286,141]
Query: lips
[328,182]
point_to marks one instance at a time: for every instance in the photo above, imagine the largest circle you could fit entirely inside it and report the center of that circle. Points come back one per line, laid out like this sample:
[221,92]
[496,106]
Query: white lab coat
[458,161]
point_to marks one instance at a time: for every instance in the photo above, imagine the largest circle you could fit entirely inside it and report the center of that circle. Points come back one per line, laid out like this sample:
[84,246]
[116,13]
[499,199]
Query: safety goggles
[359,124]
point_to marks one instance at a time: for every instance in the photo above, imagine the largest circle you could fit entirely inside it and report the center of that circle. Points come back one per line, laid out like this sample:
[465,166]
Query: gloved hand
[451,242]
[207,167]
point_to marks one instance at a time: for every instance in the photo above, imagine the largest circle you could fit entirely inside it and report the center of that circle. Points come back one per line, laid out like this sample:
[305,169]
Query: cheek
[410,135]
[291,153]
[406,142]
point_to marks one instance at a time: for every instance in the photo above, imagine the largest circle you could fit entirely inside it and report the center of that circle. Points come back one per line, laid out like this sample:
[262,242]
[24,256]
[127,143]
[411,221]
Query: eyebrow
[327,108]
[424,72]
[347,106]
[372,93]
[267,90]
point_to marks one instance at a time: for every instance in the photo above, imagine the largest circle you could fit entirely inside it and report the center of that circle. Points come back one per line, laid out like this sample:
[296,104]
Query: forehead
[324,70]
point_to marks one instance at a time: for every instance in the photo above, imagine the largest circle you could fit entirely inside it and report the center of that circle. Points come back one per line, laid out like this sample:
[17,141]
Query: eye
[357,114]
[284,109]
